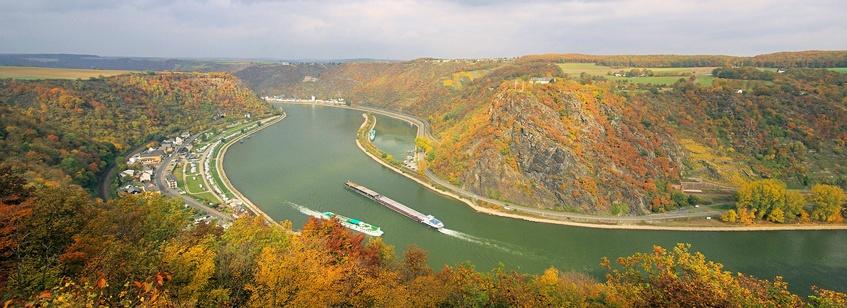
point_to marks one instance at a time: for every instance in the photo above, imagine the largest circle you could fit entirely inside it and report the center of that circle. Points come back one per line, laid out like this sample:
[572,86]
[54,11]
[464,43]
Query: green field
[842,70]
[703,73]
[193,185]
[34,73]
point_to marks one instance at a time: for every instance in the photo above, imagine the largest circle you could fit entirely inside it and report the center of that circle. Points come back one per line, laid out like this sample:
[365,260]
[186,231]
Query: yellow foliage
[191,266]
[730,216]
[828,201]
[777,215]
[302,276]
[703,157]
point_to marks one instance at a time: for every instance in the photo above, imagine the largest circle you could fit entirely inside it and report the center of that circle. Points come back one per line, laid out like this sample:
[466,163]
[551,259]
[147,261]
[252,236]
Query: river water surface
[300,165]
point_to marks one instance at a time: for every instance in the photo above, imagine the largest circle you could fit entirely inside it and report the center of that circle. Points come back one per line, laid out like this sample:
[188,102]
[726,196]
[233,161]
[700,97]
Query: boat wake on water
[512,249]
[304,210]
[349,223]
[509,248]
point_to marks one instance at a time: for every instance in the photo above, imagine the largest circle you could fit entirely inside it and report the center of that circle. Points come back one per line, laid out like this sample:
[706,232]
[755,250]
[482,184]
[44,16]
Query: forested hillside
[63,130]
[565,144]
[792,128]
[807,59]
[59,247]
[592,144]
[419,86]
[581,143]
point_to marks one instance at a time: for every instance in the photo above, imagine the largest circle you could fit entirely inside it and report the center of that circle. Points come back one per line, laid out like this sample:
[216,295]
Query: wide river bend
[300,165]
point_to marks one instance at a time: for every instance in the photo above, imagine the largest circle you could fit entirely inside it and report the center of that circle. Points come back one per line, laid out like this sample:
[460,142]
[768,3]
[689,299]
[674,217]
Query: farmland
[663,75]
[34,73]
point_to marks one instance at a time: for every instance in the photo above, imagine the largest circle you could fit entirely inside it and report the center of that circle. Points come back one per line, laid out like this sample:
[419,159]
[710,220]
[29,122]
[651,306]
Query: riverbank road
[680,214]
[104,185]
[424,129]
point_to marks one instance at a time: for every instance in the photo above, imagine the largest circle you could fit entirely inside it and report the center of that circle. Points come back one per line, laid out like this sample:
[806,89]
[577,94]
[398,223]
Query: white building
[128,173]
[146,177]
[542,80]
[133,159]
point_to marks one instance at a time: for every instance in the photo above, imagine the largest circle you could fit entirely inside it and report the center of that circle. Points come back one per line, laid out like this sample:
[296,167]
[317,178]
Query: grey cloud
[409,28]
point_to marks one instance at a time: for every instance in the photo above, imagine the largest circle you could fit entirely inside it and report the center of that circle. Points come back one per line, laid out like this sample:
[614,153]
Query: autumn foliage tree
[769,199]
[144,250]
[72,130]
[828,202]
[682,278]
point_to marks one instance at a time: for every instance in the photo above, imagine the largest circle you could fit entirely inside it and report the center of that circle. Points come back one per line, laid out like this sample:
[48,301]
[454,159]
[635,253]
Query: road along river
[300,165]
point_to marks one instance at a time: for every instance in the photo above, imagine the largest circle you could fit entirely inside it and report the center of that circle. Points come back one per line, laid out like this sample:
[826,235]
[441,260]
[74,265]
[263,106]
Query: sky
[378,29]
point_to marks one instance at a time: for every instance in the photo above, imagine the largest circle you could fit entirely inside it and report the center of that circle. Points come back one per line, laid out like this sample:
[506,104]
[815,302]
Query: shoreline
[222,172]
[494,212]
[489,211]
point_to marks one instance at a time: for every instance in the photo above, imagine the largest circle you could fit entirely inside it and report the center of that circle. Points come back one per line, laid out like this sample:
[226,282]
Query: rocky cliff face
[563,146]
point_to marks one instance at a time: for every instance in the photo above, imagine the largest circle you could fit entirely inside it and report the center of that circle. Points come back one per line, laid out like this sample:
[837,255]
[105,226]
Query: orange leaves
[10,217]
[600,131]
[341,242]
[101,283]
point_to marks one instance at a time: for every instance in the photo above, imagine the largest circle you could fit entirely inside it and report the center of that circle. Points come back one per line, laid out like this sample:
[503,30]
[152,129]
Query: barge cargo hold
[398,207]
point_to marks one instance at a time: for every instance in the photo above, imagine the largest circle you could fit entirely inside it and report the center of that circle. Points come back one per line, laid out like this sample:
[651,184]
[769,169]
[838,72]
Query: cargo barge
[398,207]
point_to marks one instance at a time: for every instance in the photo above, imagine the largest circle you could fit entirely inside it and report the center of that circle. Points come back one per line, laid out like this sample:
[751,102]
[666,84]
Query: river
[300,165]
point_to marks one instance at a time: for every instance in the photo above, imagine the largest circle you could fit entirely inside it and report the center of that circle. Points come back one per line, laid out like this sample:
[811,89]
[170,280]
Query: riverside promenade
[222,172]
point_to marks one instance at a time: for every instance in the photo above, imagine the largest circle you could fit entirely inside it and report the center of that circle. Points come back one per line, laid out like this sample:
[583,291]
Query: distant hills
[148,63]
[807,59]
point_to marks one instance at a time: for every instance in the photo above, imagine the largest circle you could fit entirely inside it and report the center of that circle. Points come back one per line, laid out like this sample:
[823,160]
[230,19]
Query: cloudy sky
[287,29]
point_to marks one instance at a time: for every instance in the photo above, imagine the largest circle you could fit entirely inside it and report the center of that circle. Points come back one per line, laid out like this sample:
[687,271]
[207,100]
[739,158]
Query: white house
[128,173]
[542,80]
[146,176]
[133,159]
